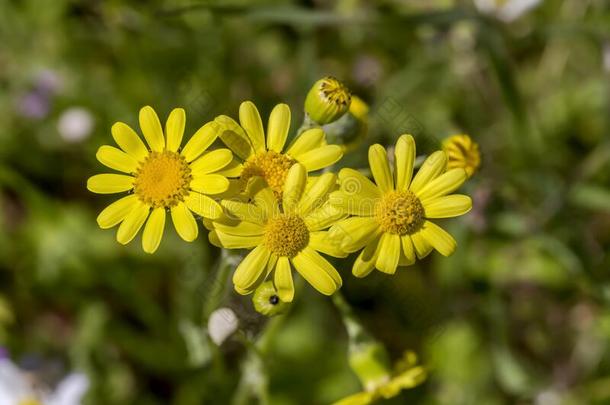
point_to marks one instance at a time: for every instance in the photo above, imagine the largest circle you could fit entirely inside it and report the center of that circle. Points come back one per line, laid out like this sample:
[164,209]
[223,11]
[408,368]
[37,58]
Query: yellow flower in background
[391,219]
[387,383]
[462,152]
[266,156]
[351,129]
[282,236]
[160,178]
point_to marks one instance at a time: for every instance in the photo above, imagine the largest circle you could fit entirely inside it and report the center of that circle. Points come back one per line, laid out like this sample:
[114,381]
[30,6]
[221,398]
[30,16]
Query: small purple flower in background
[36,103]
[75,124]
[33,105]
[17,387]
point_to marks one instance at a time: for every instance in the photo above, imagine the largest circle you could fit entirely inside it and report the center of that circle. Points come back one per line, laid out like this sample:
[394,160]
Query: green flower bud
[327,100]
[267,301]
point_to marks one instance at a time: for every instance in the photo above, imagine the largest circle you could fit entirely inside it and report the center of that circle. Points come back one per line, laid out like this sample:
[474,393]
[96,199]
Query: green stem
[226,263]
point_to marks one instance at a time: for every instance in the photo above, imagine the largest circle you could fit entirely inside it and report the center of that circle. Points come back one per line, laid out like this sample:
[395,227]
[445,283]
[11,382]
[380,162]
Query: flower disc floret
[286,235]
[400,212]
[163,179]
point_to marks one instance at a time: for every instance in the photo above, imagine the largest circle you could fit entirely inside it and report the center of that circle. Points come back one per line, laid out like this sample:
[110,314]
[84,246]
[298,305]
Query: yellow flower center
[399,212]
[335,92]
[286,235]
[163,179]
[271,166]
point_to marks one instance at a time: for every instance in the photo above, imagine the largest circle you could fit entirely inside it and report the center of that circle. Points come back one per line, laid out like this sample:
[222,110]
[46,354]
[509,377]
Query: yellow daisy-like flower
[462,152]
[266,156]
[391,220]
[160,178]
[284,235]
[389,384]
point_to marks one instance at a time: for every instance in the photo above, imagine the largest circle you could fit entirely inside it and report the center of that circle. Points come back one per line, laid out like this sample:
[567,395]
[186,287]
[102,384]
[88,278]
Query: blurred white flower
[222,324]
[16,388]
[506,10]
[75,124]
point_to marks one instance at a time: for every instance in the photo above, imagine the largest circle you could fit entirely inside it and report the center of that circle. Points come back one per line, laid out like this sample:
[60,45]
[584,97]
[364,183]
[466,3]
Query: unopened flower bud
[327,100]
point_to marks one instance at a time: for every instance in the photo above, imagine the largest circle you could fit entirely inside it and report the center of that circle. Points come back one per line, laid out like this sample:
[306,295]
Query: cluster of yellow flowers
[257,192]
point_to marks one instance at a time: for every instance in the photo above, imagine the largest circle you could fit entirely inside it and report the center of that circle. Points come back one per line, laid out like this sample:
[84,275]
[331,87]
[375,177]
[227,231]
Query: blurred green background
[518,315]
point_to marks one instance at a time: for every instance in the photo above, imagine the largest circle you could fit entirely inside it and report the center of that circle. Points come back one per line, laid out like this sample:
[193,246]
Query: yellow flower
[327,100]
[160,178]
[266,156]
[282,235]
[462,152]
[390,220]
[351,129]
[387,384]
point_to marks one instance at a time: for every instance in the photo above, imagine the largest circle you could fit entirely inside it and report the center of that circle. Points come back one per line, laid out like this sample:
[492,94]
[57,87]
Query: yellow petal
[404,157]
[239,228]
[361,398]
[448,206]
[199,142]
[365,262]
[317,194]
[387,261]
[294,186]
[234,137]
[283,280]
[421,245]
[323,217]
[229,241]
[408,249]
[355,183]
[322,243]
[438,238]
[250,120]
[116,159]
[174,129]
[378,161]
[233,169]
[184,222]
[321,157]
[354,204]
[407,379]
[307,141]
[317,271]
[277,128]
[132,223]
[249,271]
[116,212]
[443,184]
[211,161]
[151,128]
[153,231]
[203,205]
[210,184]
[430,169]
[129,141]
[354,232]
[243,211]
[264,198]
[108,183]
